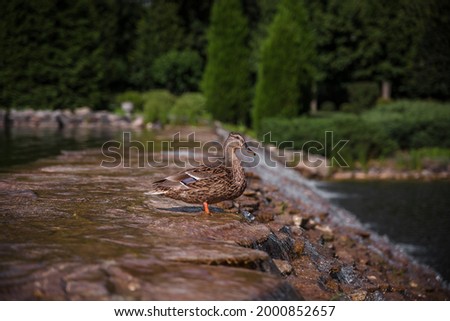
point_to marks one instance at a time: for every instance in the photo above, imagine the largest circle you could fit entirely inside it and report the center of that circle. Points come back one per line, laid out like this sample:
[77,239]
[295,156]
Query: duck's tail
[157,188]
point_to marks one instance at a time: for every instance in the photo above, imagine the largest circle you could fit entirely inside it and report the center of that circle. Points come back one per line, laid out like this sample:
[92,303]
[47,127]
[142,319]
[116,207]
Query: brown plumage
[208,184]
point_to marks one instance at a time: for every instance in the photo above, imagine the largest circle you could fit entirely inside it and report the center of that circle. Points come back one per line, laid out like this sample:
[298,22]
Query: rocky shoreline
[389,174]
[66,118]
[345,258]
[308,167]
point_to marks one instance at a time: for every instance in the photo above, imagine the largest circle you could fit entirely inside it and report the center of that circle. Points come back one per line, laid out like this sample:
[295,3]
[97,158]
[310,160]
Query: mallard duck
[208,184]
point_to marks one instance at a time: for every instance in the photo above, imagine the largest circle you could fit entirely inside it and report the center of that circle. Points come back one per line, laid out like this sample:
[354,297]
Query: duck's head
[236,141]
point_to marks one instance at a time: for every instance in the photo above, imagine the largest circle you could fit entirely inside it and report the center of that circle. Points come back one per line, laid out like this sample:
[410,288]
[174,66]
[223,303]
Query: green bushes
[413,124]
[190,108]
[405,125]
[164,107]
[131,96]
[365,141]
[157,106]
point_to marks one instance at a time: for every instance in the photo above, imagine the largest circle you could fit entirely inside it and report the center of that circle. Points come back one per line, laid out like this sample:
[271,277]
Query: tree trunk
[313,102]
[386,90]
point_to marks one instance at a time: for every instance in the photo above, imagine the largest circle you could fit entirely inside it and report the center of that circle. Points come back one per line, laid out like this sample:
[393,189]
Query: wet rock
[327,237]
[298,247]
[250,193]
[358,296]
[215,254]
[19,195]
[343,175]
[280,208]
[265,216]
[284,266]
[228,205]
[363,234]
[375,296]
[413,284]
[248,216]
[248,204]
[138,122]
[252,175]
[327,234]
[308,223]
[82,111]
[296,220]
[360,175]
[277,248]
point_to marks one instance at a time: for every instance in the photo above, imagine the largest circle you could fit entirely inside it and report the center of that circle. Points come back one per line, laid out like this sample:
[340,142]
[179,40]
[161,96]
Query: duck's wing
[192,178]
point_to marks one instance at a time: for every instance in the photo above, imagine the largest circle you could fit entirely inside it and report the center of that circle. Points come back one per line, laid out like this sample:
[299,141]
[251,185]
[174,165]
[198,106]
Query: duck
[205,184]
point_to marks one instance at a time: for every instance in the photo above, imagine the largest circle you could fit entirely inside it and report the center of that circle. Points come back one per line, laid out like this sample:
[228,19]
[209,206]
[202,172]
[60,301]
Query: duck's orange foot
[206,209]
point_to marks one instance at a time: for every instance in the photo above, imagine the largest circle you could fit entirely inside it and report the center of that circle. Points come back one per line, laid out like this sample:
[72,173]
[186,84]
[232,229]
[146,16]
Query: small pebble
[249,217]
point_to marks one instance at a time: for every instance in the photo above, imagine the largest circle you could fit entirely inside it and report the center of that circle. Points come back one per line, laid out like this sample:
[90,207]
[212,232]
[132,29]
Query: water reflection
[20,145]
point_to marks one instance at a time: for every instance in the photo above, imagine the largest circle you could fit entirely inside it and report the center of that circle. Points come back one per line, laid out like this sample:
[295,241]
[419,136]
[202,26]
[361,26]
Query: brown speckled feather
[207,184]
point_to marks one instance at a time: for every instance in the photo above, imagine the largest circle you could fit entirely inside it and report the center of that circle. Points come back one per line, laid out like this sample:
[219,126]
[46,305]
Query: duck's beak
[248,150]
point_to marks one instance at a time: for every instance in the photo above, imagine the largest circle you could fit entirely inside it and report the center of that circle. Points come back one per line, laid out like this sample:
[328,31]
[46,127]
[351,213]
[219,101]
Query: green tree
[178,71]
[159,31]
[391,30]
[260,22]
[429,67]
[286,63]
[226,78]
[367,41]
[57,54]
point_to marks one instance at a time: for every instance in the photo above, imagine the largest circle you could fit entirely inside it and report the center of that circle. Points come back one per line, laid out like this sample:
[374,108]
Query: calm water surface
[24,145]
[413,214]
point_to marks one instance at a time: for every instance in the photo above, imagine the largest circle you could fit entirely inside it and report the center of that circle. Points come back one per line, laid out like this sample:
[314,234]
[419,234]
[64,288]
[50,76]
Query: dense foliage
[65,54]
[178,71]
[376,133]
[159,31]
[413,124]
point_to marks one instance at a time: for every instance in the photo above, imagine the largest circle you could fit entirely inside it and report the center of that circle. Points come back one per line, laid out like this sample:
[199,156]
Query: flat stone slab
[75,231]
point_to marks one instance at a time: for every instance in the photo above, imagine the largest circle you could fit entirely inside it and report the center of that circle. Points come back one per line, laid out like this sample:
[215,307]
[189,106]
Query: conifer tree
[159,31]
[59,56]
[286,63]
[226,78]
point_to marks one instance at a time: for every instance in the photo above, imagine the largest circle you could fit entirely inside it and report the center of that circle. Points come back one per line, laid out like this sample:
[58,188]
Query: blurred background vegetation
[375,72]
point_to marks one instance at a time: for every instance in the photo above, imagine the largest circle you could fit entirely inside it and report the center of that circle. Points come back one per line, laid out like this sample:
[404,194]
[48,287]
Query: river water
[413,214]
[24,145]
